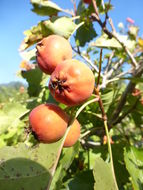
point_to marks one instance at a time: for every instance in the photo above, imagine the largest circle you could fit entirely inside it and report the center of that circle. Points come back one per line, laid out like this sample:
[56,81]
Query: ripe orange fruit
[49,122]
[51,51]
[73,134]
[72,82]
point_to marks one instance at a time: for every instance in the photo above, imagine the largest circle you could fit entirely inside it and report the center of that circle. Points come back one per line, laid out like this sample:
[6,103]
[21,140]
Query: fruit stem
[84,105]
[100,63]
[110,153]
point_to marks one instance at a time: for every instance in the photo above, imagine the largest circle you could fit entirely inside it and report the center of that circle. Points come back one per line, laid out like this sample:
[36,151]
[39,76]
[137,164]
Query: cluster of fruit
[71,83]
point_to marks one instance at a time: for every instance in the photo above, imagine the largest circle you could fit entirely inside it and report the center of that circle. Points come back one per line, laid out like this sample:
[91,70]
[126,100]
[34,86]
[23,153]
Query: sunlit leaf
[104,42]
[103,175]
[45,7]
[63,26]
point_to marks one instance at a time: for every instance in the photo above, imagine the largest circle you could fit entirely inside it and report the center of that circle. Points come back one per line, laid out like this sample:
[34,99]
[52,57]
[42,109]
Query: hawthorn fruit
[73,134]
[51,51]
[49,122]
[72,82]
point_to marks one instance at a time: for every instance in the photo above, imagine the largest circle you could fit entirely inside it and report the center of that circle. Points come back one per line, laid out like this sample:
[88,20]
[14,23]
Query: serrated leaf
[85,34]
[63,26]
[22,167]
[134,163]
[45,7]
[104,42]
[103,175]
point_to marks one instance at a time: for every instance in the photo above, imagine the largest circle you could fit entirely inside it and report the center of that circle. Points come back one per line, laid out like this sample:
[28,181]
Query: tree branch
[88,61]
[114,35]
[137,73]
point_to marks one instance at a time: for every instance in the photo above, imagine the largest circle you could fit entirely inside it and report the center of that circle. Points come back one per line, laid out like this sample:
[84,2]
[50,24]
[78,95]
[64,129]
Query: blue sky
[16,16]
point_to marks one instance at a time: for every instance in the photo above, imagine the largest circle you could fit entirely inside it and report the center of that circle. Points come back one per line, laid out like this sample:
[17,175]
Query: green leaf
[104,42]
[45,8]
[63,26]
[103,175]
[22,167]
[84,180]
[36,80]
[134,163]
[107,98]
[118,158]
[85,34]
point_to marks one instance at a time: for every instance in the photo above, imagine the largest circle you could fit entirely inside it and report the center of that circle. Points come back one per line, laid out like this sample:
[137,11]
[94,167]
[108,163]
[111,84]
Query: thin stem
[109,62]
[57,159]
[104,116]
[95,8]
[110,153]
[95,114]
[88,155]
[90,132]
[134,63]
[74,5]
[87,60]
[71,13]
[100,63]
[84,105]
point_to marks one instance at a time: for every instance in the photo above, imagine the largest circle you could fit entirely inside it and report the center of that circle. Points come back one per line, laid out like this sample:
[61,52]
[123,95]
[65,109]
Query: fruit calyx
[59,84]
